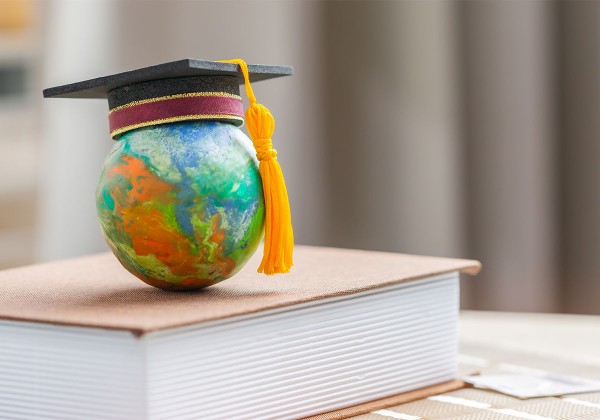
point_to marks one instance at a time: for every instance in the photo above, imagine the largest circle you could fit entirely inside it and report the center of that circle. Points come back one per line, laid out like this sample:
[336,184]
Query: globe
[181,204]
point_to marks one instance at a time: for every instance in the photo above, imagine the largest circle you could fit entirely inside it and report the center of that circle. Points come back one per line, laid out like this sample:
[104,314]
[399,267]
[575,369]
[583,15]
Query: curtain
[76,45]
[468,129]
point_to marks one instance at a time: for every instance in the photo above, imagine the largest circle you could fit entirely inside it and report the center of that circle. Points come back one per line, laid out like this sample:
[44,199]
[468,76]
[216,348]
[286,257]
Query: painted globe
[181,205]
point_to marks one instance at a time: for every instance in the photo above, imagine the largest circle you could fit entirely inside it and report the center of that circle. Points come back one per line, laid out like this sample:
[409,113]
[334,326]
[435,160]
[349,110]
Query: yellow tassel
[279,235]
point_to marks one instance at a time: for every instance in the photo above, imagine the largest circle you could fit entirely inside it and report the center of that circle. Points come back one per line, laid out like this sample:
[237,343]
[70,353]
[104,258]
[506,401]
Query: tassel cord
[279,235]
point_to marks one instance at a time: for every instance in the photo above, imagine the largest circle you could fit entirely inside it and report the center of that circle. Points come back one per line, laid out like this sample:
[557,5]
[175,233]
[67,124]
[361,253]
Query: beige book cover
[96,291]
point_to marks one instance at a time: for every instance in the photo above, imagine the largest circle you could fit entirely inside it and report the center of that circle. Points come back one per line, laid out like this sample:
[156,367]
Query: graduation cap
[180,90]
[188,90]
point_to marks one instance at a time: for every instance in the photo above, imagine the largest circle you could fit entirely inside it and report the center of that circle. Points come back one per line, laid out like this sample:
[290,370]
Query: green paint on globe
[181,205]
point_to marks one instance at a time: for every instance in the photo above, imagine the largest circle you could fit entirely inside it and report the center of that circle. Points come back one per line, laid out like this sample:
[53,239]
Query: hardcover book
[345,329]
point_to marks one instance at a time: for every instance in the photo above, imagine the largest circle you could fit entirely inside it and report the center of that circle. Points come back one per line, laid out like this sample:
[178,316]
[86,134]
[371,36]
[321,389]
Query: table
[498,342]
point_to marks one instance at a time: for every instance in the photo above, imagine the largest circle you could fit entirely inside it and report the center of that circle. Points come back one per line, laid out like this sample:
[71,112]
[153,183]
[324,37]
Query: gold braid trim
[177,96]
[175,119]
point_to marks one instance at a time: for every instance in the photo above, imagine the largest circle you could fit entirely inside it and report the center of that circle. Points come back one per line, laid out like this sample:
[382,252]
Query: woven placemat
[476,404]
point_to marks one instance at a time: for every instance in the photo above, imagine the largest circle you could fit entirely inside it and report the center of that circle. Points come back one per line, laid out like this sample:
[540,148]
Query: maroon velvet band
[175,108]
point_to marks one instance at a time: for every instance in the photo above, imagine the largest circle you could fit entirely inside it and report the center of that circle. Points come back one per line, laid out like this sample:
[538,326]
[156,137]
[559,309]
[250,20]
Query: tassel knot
[279,235]
[264,149]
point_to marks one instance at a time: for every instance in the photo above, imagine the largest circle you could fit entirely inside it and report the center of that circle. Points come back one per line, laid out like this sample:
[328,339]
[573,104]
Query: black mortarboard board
[211,88]
[189,67]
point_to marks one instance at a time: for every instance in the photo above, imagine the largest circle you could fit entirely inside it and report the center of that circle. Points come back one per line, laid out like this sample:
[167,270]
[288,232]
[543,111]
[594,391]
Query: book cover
[95,291]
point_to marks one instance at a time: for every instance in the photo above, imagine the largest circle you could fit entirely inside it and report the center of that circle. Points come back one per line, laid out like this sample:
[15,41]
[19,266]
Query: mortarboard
[213,84]
[148,106]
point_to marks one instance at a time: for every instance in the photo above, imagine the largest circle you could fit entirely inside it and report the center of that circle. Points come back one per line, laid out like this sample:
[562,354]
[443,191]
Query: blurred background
[451,128]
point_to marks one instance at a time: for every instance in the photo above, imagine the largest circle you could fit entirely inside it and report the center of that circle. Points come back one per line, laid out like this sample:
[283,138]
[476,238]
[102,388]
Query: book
[83,338]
